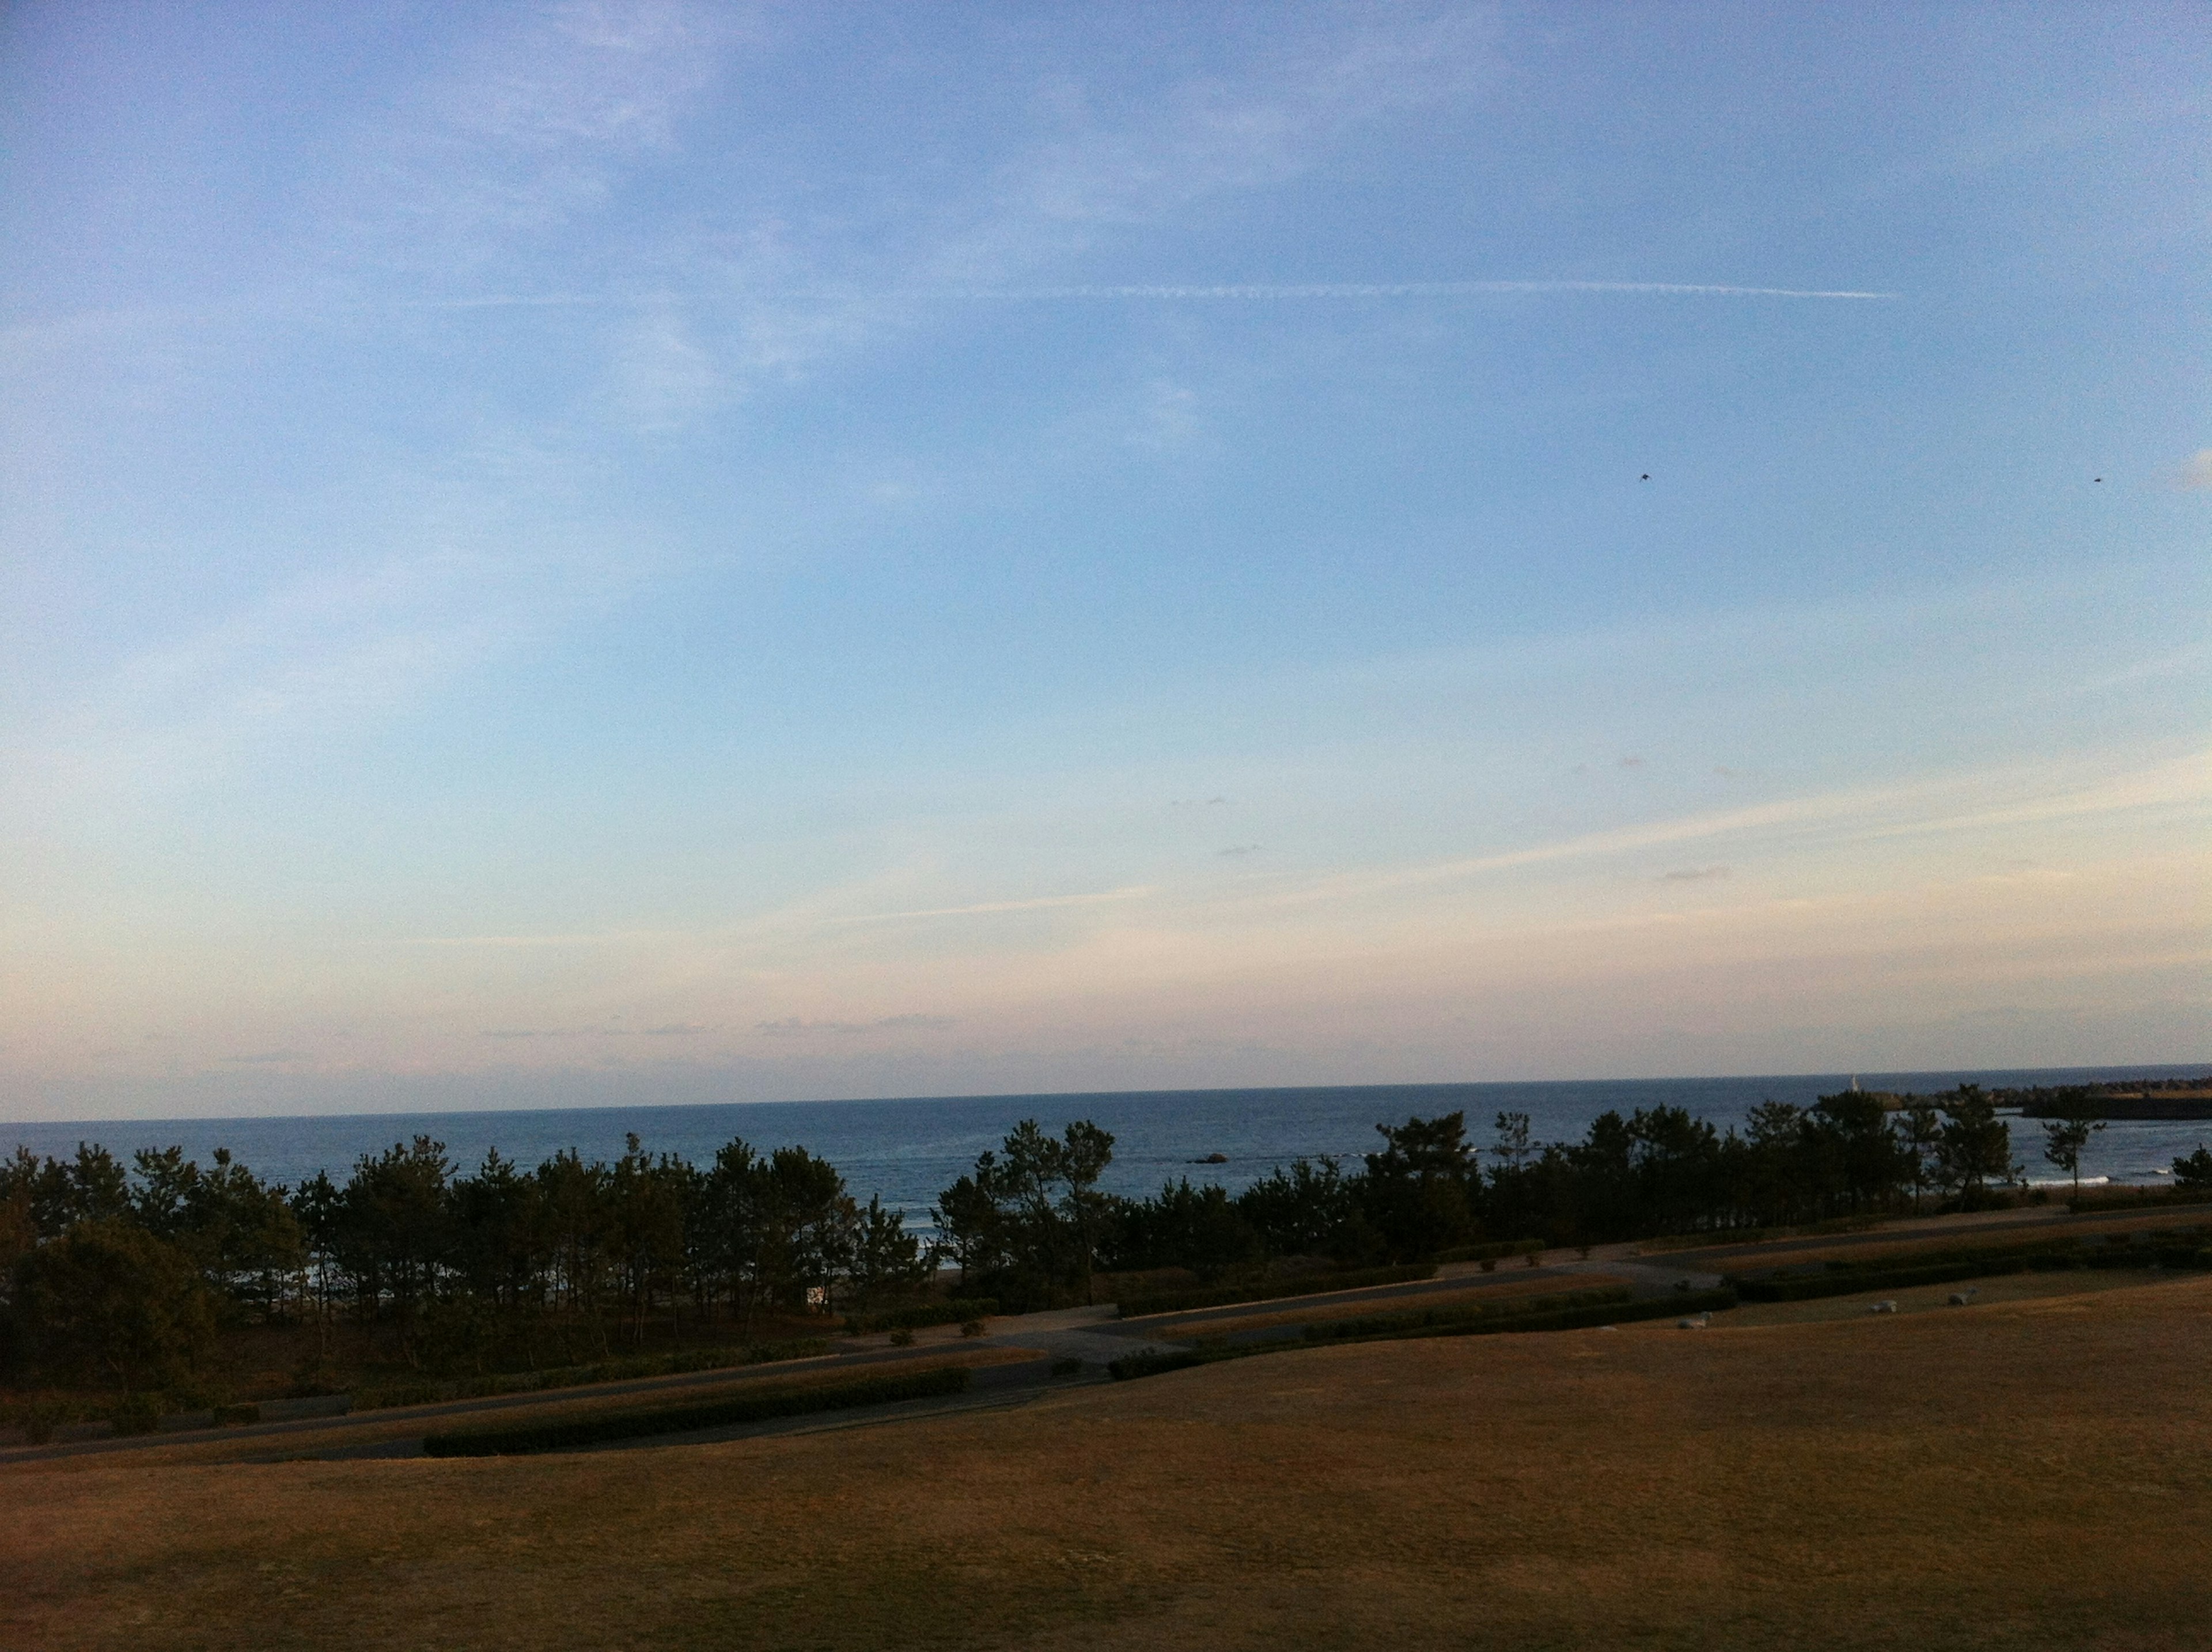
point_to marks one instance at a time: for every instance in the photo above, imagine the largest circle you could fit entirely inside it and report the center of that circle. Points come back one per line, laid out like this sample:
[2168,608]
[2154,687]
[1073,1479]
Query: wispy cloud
[1237,851]
[983,907]
[1167,419]
[605,939]
[799,1027]
[1876,812]
[663,375]
[531,127]
[554,1032]
[1207,136]
[1694,874]
[451,201]
[2196,470]
[267,1059]
[766,294]
[324,645]
[329,648]
[2182,782]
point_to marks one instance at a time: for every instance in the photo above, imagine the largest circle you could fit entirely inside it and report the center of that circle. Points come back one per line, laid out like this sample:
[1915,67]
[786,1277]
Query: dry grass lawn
[2033,1473]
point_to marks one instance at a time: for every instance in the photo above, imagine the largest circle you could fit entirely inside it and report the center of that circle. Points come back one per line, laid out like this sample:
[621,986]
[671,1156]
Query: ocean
[908,1149]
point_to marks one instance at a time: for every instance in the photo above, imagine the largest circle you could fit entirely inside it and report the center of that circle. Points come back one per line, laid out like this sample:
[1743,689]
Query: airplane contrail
[1229,291]
[1421,289]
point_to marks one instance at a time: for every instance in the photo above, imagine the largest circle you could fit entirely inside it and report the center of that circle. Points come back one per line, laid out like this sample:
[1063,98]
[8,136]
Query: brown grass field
[552,1405]
[2031,1472]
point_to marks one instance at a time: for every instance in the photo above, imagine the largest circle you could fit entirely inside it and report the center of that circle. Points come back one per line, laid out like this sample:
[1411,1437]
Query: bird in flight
[1647,477]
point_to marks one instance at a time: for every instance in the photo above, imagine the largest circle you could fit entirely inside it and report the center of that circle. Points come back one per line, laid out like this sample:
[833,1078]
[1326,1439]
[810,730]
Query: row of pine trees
[110,1275]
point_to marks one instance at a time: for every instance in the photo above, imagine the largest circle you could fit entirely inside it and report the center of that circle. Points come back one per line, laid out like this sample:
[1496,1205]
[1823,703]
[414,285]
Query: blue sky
[586,554]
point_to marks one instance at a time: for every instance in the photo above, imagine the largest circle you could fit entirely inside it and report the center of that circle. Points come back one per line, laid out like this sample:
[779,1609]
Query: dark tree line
[119,1278]
[1029,1225]
[116,1277]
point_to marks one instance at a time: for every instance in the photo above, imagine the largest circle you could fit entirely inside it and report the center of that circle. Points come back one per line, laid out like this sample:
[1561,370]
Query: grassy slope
[2033,1472]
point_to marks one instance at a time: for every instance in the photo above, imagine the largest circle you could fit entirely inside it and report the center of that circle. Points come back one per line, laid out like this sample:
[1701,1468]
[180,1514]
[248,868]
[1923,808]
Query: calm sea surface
[908,1149]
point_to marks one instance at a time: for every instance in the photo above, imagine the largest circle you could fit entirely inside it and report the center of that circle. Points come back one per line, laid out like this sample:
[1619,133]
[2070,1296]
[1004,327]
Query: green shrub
[233,1416]
[644,1423]
[1492,1252]
[1153,1362]
[951,1312]
[1067,1368]
[768,1353]
[572,1376]
[1709,1237]
[1177,1301]
[140,1413]
[972,1329]
[903,1337]
[2138,1198]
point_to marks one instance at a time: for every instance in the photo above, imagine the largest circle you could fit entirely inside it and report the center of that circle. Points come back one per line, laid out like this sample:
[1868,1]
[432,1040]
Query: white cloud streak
[534,127]
[985,907]
[799,1027]
[516,941]
[2182,782]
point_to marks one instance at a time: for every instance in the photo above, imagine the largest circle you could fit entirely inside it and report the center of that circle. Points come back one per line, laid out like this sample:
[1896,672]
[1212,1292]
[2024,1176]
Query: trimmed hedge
[1228,1295]
[1571,1318]
[1496,1251]
[1845,1279]
[573,1376]
[1129,1367]
[951,1311]
[2137,1198]
[1721,1237]
[140,1413]
[639,1425]
[1410,1320]
[1153,1362]
[1807,1286]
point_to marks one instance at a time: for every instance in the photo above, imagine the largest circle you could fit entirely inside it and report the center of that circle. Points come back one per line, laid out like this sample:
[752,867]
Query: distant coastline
[2155,1100]
[908,1148]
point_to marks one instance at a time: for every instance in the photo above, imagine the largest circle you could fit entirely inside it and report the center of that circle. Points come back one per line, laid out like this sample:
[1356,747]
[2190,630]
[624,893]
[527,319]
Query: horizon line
[1089,1094]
